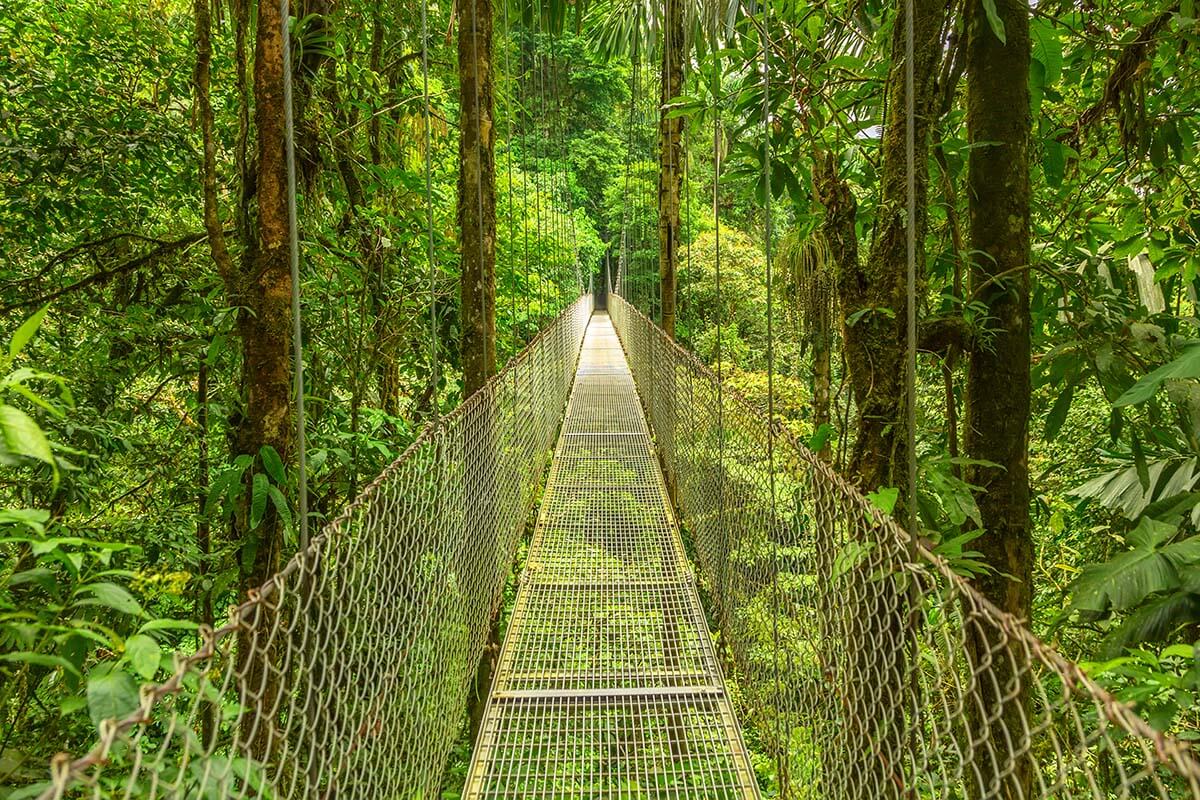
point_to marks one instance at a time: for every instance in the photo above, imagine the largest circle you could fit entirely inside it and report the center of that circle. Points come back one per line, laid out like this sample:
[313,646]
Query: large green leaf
[1121,490]
[144,655]
[109,595]
[1186,366]
[26,332]
[1153,622]
[22,436]
[273,464]
[1046,49]
[1128,579]
[1122,582]
[258,499]
[954,495]
[1058,412]
[111,694]
[39,659]
[994,20]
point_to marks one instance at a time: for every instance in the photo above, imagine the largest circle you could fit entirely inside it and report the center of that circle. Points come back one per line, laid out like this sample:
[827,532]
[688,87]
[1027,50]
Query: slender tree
[477,242]
[998,377]
[670,161]
[259,285]
[477,193]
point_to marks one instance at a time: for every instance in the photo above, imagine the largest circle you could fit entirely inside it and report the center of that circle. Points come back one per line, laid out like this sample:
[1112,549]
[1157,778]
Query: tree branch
[940,335]
[1125,70]
[165,249]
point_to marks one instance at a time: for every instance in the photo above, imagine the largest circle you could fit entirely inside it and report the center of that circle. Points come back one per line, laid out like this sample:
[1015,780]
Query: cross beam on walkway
[608,681]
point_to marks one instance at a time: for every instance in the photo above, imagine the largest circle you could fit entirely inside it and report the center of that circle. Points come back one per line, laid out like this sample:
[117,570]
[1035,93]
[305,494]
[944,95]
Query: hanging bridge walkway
[608,683]
[857,663]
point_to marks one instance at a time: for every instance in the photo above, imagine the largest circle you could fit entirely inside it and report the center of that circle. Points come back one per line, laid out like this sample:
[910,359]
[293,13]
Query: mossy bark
[477,240]
[477,193]
[259,284]
[873,292]
[873,299]
[671,155]
[998,380]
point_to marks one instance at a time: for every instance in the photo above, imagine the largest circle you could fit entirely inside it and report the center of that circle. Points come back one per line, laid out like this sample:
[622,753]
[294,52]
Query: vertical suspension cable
[687,204]
[649,191]
[483,305]
[910,361]
[524,99]
[538,154]
[434,366]
[512,266]
[567,217]
[556,167]
[716,206]
[650,217]
[780,750]
[289,126]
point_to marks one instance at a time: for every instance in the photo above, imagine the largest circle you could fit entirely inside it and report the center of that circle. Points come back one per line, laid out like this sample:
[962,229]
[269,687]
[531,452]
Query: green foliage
[1154,586]
[1164,684]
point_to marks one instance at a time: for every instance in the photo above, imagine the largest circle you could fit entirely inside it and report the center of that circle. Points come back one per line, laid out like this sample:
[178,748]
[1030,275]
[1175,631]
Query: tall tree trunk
[874,292]
[260,285]
[875,344]
[476,193]
[670,153]
[477,231]
[262,290]
[998,381]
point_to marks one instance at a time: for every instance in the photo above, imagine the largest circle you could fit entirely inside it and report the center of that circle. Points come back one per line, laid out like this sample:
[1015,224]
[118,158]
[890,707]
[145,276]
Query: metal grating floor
[608,686]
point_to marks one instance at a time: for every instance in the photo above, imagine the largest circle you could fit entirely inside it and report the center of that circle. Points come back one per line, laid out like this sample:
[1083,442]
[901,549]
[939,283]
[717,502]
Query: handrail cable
[765,36]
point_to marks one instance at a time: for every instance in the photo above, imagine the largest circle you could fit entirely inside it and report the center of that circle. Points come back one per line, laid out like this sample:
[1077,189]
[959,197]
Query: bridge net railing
[867,667]
[347,674]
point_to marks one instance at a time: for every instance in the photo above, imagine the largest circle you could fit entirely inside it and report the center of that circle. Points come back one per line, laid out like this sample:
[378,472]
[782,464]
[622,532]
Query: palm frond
[807,276]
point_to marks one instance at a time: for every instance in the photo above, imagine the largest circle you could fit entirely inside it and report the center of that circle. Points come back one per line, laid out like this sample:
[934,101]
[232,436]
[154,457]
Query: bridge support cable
[793,618]
[608,681]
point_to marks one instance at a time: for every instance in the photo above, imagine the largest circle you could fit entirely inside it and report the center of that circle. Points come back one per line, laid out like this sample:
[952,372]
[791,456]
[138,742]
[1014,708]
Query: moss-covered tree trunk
[670,153]
[873,293]
[259,284]
[476,193]
[998,381]
[477,232]
[265,291]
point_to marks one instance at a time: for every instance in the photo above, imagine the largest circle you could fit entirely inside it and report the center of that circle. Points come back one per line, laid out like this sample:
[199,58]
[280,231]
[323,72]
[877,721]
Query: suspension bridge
[608,677]
[852,658]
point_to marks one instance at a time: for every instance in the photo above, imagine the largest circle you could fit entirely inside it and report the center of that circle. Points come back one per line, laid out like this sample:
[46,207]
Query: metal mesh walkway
[608,685]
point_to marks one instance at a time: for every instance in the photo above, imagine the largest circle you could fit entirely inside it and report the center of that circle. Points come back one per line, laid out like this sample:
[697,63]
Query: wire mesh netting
[865,665]
[608,685]
[347,674]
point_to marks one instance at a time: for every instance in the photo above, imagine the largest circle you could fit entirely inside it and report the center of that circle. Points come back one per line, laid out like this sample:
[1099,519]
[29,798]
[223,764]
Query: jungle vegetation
[147,460]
